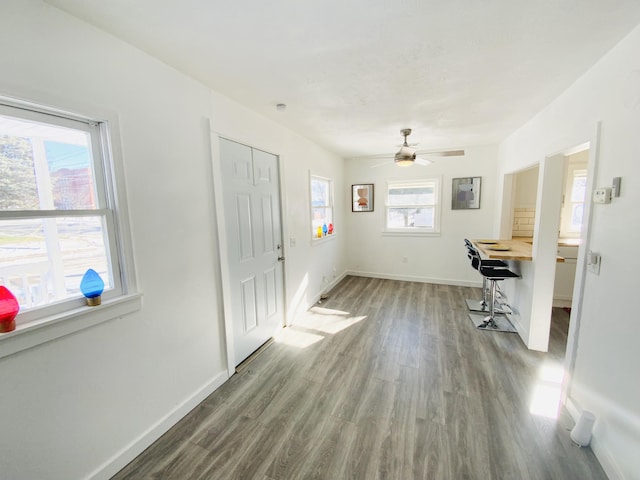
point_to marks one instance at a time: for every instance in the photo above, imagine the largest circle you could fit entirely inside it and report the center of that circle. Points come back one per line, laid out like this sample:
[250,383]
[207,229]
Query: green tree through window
[17,177]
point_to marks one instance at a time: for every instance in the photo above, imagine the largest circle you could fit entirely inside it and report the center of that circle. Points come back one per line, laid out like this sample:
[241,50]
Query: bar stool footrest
[477,305]
[482,307]
[502,323]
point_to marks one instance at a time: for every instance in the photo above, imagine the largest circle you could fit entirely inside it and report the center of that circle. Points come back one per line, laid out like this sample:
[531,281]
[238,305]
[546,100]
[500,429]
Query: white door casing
[253,238]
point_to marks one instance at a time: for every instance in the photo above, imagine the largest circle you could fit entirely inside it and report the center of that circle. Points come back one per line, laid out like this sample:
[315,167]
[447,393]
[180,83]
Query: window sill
[318,241]
[409,233]
[40,331]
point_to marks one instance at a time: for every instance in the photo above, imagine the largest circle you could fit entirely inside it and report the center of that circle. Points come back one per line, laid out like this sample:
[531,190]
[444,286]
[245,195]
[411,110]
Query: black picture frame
[362,197]
[465,193]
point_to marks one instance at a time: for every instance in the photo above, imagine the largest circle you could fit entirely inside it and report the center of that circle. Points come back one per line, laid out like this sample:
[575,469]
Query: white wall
[440,259]
[84,404]
[526,188]
[604,327]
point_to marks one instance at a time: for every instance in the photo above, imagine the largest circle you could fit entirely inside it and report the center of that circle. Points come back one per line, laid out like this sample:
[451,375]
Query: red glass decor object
[9,308]
[330,228]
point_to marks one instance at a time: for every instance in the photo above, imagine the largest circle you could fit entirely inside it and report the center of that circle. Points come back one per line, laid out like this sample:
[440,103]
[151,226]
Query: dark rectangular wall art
[465,193]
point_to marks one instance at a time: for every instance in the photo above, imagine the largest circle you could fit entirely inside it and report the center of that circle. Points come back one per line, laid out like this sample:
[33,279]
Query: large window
[57,210]
[321,207]
[413,207]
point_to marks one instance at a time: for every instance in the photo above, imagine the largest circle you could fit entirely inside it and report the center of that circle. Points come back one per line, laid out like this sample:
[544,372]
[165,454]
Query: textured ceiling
[354,72]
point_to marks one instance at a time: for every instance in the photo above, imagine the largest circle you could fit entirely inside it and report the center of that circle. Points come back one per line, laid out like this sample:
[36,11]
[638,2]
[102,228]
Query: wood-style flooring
[384,380]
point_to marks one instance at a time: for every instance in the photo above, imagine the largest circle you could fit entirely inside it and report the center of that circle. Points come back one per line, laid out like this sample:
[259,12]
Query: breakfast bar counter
[506,249]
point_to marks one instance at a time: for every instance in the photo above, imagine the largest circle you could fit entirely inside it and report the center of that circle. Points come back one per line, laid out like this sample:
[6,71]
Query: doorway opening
[576,169]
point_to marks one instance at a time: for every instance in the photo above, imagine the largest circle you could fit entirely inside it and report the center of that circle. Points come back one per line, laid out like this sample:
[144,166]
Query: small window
[57,210]
[573,201]
[321,207]
[578,191]
[413,207]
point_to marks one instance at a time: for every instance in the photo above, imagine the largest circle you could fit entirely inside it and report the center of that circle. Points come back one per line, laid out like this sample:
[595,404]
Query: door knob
[280,259]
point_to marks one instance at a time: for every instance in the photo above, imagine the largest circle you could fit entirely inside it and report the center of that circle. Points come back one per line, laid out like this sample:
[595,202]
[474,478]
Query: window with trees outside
[413,207]
[57,210]
[321,207]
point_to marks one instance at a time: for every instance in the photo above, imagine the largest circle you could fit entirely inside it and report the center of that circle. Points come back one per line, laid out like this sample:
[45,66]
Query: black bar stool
[493,275]
[481,305]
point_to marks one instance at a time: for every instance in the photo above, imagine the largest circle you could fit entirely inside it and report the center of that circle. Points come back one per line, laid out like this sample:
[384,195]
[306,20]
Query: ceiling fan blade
[423,161]
[445,153]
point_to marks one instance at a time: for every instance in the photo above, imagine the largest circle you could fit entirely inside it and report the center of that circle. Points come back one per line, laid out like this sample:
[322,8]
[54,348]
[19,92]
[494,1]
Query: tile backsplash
[523,221]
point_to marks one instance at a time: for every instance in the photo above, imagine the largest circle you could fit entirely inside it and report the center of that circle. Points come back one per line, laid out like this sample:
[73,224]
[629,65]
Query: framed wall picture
[362,197]
[465,193]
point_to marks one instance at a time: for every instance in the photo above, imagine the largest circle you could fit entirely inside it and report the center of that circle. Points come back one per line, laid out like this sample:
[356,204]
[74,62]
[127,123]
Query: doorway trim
[223,248]
[581,265]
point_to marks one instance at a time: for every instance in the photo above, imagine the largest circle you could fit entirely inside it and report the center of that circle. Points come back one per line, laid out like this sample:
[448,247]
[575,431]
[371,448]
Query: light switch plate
[615,189]
[593,262]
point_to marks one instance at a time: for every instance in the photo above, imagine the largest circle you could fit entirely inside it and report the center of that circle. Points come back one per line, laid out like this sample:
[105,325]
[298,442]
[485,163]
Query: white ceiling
[354,72]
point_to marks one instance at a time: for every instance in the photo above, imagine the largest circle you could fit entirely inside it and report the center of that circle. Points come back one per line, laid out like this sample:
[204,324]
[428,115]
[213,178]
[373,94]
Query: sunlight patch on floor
[297,338]
[545,401]
[329,321]
[313,325]
[326,320]
[327,311]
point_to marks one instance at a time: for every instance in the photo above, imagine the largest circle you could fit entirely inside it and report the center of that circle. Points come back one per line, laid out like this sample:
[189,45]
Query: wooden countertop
[518,250]
[562,242]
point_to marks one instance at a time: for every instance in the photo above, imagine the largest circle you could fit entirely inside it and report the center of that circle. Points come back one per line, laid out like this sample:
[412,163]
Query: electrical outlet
[602,195]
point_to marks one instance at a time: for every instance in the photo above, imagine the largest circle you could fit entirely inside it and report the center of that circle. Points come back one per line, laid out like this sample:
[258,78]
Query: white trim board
[416,278]
[155,431]
[602,454]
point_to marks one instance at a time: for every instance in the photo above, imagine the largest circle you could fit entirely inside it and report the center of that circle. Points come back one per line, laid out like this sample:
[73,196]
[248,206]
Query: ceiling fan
[406,156]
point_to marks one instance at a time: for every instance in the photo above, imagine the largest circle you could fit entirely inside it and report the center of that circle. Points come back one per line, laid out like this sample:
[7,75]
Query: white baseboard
[602,454]
[572,408]
[514,319]
[335,281]
[135,448]
[416,278]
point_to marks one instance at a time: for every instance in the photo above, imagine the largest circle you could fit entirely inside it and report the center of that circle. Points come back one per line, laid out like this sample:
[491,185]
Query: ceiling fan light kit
[406,156]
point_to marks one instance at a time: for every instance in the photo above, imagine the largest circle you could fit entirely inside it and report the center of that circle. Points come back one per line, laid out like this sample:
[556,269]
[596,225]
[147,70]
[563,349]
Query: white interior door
[251,192]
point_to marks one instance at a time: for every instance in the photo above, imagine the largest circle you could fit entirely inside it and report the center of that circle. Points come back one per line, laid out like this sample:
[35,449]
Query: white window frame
[573,172]
[45,323]
[330,205]
[436,183]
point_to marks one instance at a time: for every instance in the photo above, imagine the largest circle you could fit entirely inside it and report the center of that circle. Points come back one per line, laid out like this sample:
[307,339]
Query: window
[413,207]
[57,210]
[321,207]
[578,190]
[573,206]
